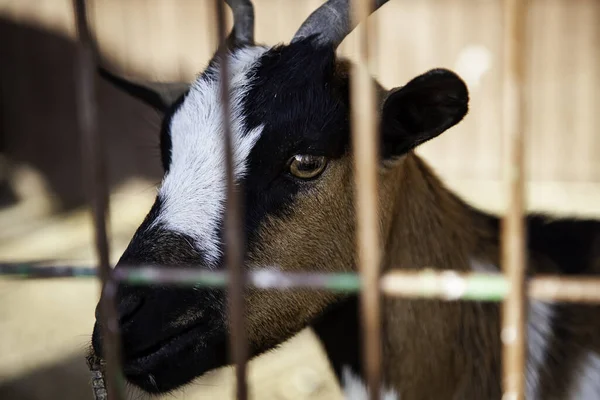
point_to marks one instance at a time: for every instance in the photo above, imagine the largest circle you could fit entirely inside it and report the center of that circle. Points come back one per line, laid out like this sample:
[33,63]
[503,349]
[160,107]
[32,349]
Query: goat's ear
[421,110]
[158,95]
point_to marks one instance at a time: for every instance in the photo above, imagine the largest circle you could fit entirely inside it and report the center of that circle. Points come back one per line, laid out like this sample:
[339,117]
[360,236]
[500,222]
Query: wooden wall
[169,39]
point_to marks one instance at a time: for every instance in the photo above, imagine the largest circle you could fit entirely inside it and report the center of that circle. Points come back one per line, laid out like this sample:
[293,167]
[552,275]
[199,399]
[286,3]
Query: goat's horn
[332,21]
[243,21]
[159,95]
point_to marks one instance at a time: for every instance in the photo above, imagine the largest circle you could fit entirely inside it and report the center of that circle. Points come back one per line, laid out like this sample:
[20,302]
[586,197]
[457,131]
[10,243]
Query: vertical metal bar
[234,241]
[95,178]
[364,139]
[513,228]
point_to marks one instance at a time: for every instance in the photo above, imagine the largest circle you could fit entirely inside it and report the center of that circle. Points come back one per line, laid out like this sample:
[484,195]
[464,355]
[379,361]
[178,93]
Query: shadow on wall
[38,119]
[38,129]
[67,379]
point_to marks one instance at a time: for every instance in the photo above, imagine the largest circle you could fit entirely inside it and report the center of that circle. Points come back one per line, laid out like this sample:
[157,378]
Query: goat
[293,157]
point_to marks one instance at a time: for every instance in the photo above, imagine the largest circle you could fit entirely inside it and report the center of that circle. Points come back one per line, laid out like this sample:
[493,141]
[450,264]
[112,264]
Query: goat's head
[292,151]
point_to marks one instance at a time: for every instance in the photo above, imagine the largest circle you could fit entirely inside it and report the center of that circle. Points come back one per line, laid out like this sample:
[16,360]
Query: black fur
[421,110]
[572,245]
[294,97]
[339,332]
[144,342]
[165,133]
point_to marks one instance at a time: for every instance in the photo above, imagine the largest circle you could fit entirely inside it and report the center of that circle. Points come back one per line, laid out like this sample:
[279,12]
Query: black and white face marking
[193,190]
[284,103]
[281,107]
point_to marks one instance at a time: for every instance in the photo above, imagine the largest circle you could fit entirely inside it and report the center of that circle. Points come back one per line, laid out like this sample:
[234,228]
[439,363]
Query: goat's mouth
[174,361]
[170,346]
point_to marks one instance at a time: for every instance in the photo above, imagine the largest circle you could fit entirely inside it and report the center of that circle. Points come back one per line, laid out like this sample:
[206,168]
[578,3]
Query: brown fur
[297,244]
[421,225]
[433,349]
[432,228]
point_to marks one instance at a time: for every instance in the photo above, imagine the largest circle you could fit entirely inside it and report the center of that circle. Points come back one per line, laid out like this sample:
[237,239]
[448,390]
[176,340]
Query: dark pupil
[309,165]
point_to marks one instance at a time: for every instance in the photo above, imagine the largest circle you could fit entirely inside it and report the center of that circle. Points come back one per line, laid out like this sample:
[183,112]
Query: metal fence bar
[234,241]
[574,290]
[513,228]
[95,177]
[441,284]
[364,144]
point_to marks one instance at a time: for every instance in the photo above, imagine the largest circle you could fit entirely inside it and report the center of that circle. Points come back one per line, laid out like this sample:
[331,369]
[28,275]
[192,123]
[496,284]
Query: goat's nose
[127,302]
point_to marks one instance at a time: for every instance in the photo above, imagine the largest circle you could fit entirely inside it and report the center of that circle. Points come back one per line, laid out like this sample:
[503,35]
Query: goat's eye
[307,167]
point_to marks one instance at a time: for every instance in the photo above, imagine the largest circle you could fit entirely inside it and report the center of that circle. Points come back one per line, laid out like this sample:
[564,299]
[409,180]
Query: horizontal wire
[421,283]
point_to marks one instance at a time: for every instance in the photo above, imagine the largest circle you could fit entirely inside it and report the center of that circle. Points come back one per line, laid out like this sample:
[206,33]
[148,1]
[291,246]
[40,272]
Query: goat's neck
[431,227]
[451,350]
[432,348]
[435,347]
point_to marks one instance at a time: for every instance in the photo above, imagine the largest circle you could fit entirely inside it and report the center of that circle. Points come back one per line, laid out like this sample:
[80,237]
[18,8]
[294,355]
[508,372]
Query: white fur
[587,381]
[483,267]
[539,334]
[194,190]
[355,389]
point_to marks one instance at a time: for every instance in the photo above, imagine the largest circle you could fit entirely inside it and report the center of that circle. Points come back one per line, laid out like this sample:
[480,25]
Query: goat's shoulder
[572,244]
[556,245]
[571,361]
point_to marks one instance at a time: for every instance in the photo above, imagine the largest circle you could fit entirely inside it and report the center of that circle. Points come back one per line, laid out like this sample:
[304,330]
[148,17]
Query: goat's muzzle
[169,334]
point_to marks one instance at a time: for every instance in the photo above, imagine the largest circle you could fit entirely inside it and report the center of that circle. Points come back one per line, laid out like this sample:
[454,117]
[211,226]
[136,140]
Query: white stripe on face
[193,192]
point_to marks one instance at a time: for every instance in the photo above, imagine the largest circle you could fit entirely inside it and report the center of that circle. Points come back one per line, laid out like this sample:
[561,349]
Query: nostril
[128,307]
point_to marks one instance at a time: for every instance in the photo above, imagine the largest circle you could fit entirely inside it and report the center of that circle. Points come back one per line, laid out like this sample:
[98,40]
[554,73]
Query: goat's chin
[172,366]
[164,372]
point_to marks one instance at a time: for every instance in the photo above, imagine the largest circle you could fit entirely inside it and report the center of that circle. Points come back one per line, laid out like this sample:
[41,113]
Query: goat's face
[291,140]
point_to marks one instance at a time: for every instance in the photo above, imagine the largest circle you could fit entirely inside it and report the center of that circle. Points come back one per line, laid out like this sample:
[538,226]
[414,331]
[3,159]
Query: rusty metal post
[95,178]
[513,228]
[365,148]
[234,240]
